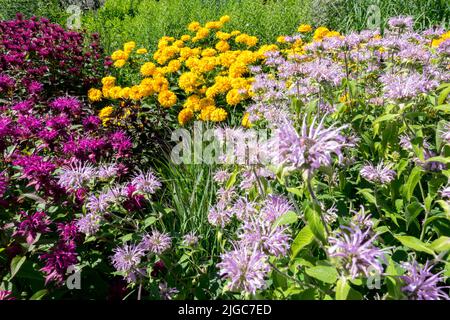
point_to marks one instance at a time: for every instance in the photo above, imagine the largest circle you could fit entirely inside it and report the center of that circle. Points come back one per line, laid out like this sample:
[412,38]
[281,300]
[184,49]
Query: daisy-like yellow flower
[224,19]
[320,33]
[114,92]
[185,37]
[167,98]
[233,97]
[94,95]
[281,39]
[148,69]
[222,46]
[135,93]
[119,55]
[304,28]
[245,120]
[194,26]
[185,115]
[141,51]
[129,46]
[105,112]
[108,81]
[218,115]
[119,63]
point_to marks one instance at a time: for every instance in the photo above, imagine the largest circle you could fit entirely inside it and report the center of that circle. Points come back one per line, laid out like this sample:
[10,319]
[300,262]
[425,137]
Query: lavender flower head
[146,182]
[190,239]
[244,268]
[126,259]
[219,215]
[422,284]
[355,251]
[157,242]
[76,175]
[89,224]
[378,174]
[310,149]
[274,207]
[166,292]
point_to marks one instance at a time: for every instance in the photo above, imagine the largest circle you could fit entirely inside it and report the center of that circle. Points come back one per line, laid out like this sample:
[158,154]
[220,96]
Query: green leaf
[303,238]
[414,243]
[231,181]
[16,264]
[411,183]
[367,194]
[326,274]
[315,223]
[441,244]
[289,217]
[342,289]
[295,191]
[443,107]
[439,159]
[149,221]
[39,295]
[386,117]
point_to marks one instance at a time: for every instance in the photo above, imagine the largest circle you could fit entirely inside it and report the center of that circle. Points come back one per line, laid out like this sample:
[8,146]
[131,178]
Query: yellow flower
[214,25]
[332,34]
[237,70]
[222,46]
[185,116]
[167,98]
[119,63]
[209,52]
[173,66]
[119,55]
[304,28]
[218,115]
[135,93]
[141,51]
[148,69]
[250,41]
[108,81]
[202,33]
[205,114]
[193,103]
[129,46]
[194,26]
[114,92]
[281,39]
[320,33]
[94,95]
[185,37]
[224,19]
[160,84]
[125,93]
[245,120]
[235,32]
[222,35]
[234,97]
[105,112]
[189,81]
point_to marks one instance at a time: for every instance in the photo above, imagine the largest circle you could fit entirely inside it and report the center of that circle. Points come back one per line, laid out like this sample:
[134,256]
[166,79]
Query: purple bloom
[89,224]
[166,292]
[98,204]
[445,193]
[68,231]
[243,209]
[378,174]
[120,142]
[3,184]
[32,224]
[126,259]
[91,123]
[76,175]
[71,105]
[146,182]
[355,251]
[5,295]
[107,171]
[219,215]
[309,150]
[401,22]
[244,268]
[406,86]
[274,207]
[422,284]
[221,176]
[190,239]
[157,242]
[61,256]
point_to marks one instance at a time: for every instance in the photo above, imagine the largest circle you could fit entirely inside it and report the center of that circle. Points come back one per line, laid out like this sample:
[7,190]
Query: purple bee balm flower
[98,204]
[190,239]
[6,295]
[361,219]
[243,209]
[126,259]
[68,231]
[6,82]
[120,142]
[401,22]
[422,284]
[157,242]
[91,123]
[378,174]
[244,268]
[146,182]
[226,195]
[62,256]
[310,149]
[221,176]
[262,233]
[35,87]
[32,224]
[3,184]
[406,86]
[89,224]
[5,128]
[76,175]
[355,251]
[445,193]
[274,207]
[166,292]
[35,169]
[134,201]
[23,106]
[71,105]
[107,171]
[219,215]
[445,133]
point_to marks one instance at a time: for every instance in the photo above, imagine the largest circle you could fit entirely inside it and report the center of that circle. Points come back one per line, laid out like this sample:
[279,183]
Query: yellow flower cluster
[436,42]
[204,69]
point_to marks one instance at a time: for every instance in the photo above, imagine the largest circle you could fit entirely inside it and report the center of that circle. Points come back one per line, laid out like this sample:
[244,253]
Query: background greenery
[145,21]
